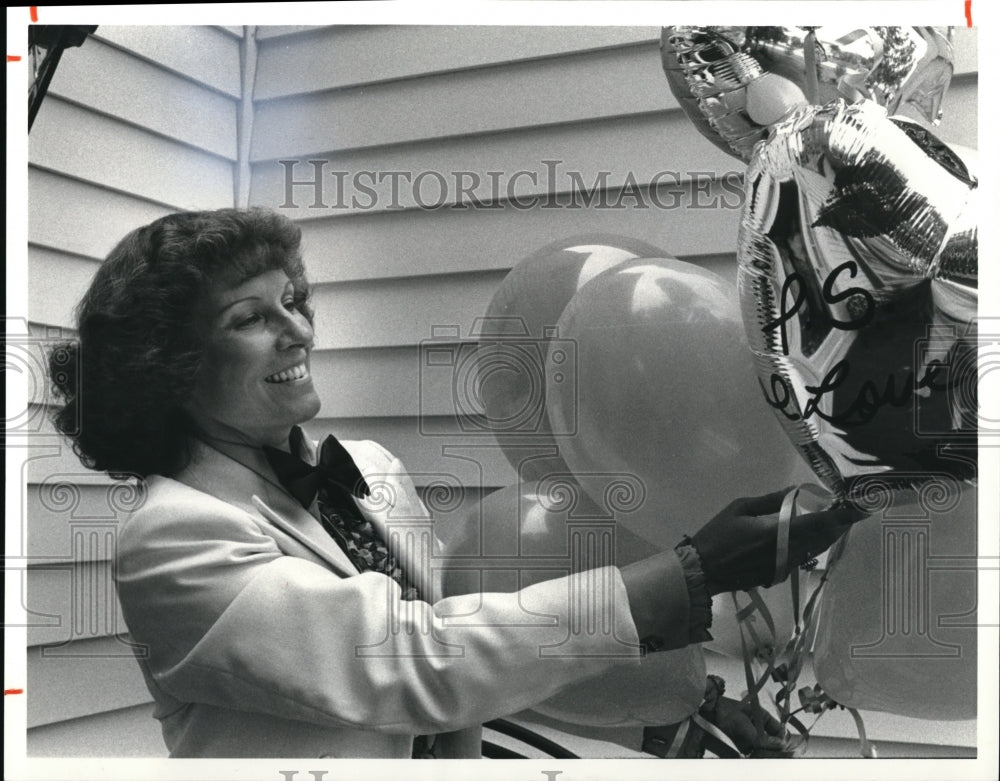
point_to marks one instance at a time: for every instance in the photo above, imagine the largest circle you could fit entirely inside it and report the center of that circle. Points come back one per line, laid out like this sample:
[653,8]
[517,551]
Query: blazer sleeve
[229,620]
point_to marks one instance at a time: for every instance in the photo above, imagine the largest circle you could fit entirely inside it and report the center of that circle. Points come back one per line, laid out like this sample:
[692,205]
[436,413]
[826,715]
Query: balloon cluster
[614,378]
[858,266]
[634,384]
[653,392]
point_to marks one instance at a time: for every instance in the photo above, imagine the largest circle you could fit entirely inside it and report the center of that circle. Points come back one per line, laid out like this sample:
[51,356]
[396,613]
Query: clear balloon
[858,267]
[516,334]
[666,422]
[524,535]
[714,72]
[897,629]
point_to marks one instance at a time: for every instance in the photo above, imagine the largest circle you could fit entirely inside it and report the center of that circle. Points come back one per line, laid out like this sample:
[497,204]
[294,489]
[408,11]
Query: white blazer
[260,639]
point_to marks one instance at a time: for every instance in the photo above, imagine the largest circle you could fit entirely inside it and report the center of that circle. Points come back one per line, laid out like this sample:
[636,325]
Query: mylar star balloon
[858,264]
[733,82]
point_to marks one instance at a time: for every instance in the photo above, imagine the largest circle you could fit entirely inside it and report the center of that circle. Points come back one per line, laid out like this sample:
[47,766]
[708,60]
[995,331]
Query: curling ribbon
[805,629]
[867,748]
[809,54]
[678,742]
[720,736]
[687,740]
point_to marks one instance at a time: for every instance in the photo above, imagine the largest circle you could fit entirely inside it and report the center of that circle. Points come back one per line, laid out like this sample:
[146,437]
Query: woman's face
[254,377]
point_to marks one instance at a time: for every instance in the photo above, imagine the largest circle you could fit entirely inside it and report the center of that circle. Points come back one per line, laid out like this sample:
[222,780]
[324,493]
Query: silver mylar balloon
[858,265]
[710,69]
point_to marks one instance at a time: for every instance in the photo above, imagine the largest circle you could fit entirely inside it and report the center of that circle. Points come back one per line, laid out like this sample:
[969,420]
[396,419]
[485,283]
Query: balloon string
[688,740]
[785,515]
[812,82]
[803,644]
[797,648]
[794,649]
[678,741]
[755,686]
[742,615]
[752,689]
[796,596]
[718,734]
[805,620]
[867,748]
[761,606]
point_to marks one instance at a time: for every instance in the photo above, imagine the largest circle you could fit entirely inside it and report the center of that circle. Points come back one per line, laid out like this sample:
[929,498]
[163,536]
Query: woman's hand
[735,719]
[737,547]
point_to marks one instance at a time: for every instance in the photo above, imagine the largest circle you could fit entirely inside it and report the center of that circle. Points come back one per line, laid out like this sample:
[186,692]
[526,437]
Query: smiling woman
[255,370]
[143,324]
[276,607]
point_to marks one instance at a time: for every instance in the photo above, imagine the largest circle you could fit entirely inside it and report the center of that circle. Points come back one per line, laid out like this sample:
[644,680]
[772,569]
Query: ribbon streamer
[811,76]
[803,499]
[867,748]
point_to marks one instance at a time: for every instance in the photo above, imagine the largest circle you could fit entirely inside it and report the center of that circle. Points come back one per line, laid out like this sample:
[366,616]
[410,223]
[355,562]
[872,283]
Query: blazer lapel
[399,516]
[285,512]
[242,478]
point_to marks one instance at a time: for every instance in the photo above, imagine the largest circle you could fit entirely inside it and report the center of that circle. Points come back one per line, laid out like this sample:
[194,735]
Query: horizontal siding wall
[388,271]
[475,100]
[142,121]
[100,735]
[138,122]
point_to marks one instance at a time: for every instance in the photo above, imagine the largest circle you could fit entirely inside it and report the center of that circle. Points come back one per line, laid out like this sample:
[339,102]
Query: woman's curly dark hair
[126,380]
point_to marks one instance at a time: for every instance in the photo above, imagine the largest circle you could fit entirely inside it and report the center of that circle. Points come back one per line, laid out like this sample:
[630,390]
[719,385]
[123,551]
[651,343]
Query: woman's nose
[295,330]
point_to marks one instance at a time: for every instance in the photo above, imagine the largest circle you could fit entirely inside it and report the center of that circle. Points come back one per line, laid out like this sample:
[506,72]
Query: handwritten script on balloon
[869,399]
[858,266]
[871,395]
[864,316]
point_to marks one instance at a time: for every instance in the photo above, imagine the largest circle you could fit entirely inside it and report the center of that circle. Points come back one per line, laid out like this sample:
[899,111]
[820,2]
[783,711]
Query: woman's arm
[230,620]
[656,587]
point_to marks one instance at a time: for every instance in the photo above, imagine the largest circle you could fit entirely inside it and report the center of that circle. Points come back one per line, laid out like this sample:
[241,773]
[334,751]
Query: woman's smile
[255,375]
[294,374]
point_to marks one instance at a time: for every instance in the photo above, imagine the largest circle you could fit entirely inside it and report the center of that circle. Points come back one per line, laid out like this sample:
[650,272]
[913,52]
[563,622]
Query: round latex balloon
[858,267]
[516,334]
[733,82]
[897,629]
[668,423]
[521,536]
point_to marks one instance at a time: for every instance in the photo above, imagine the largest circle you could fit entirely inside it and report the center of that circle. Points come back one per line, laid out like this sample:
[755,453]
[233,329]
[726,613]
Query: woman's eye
[290,304]
[247,321]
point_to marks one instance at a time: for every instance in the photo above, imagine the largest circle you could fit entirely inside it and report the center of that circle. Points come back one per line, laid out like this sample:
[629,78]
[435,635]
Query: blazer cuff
[659,601]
